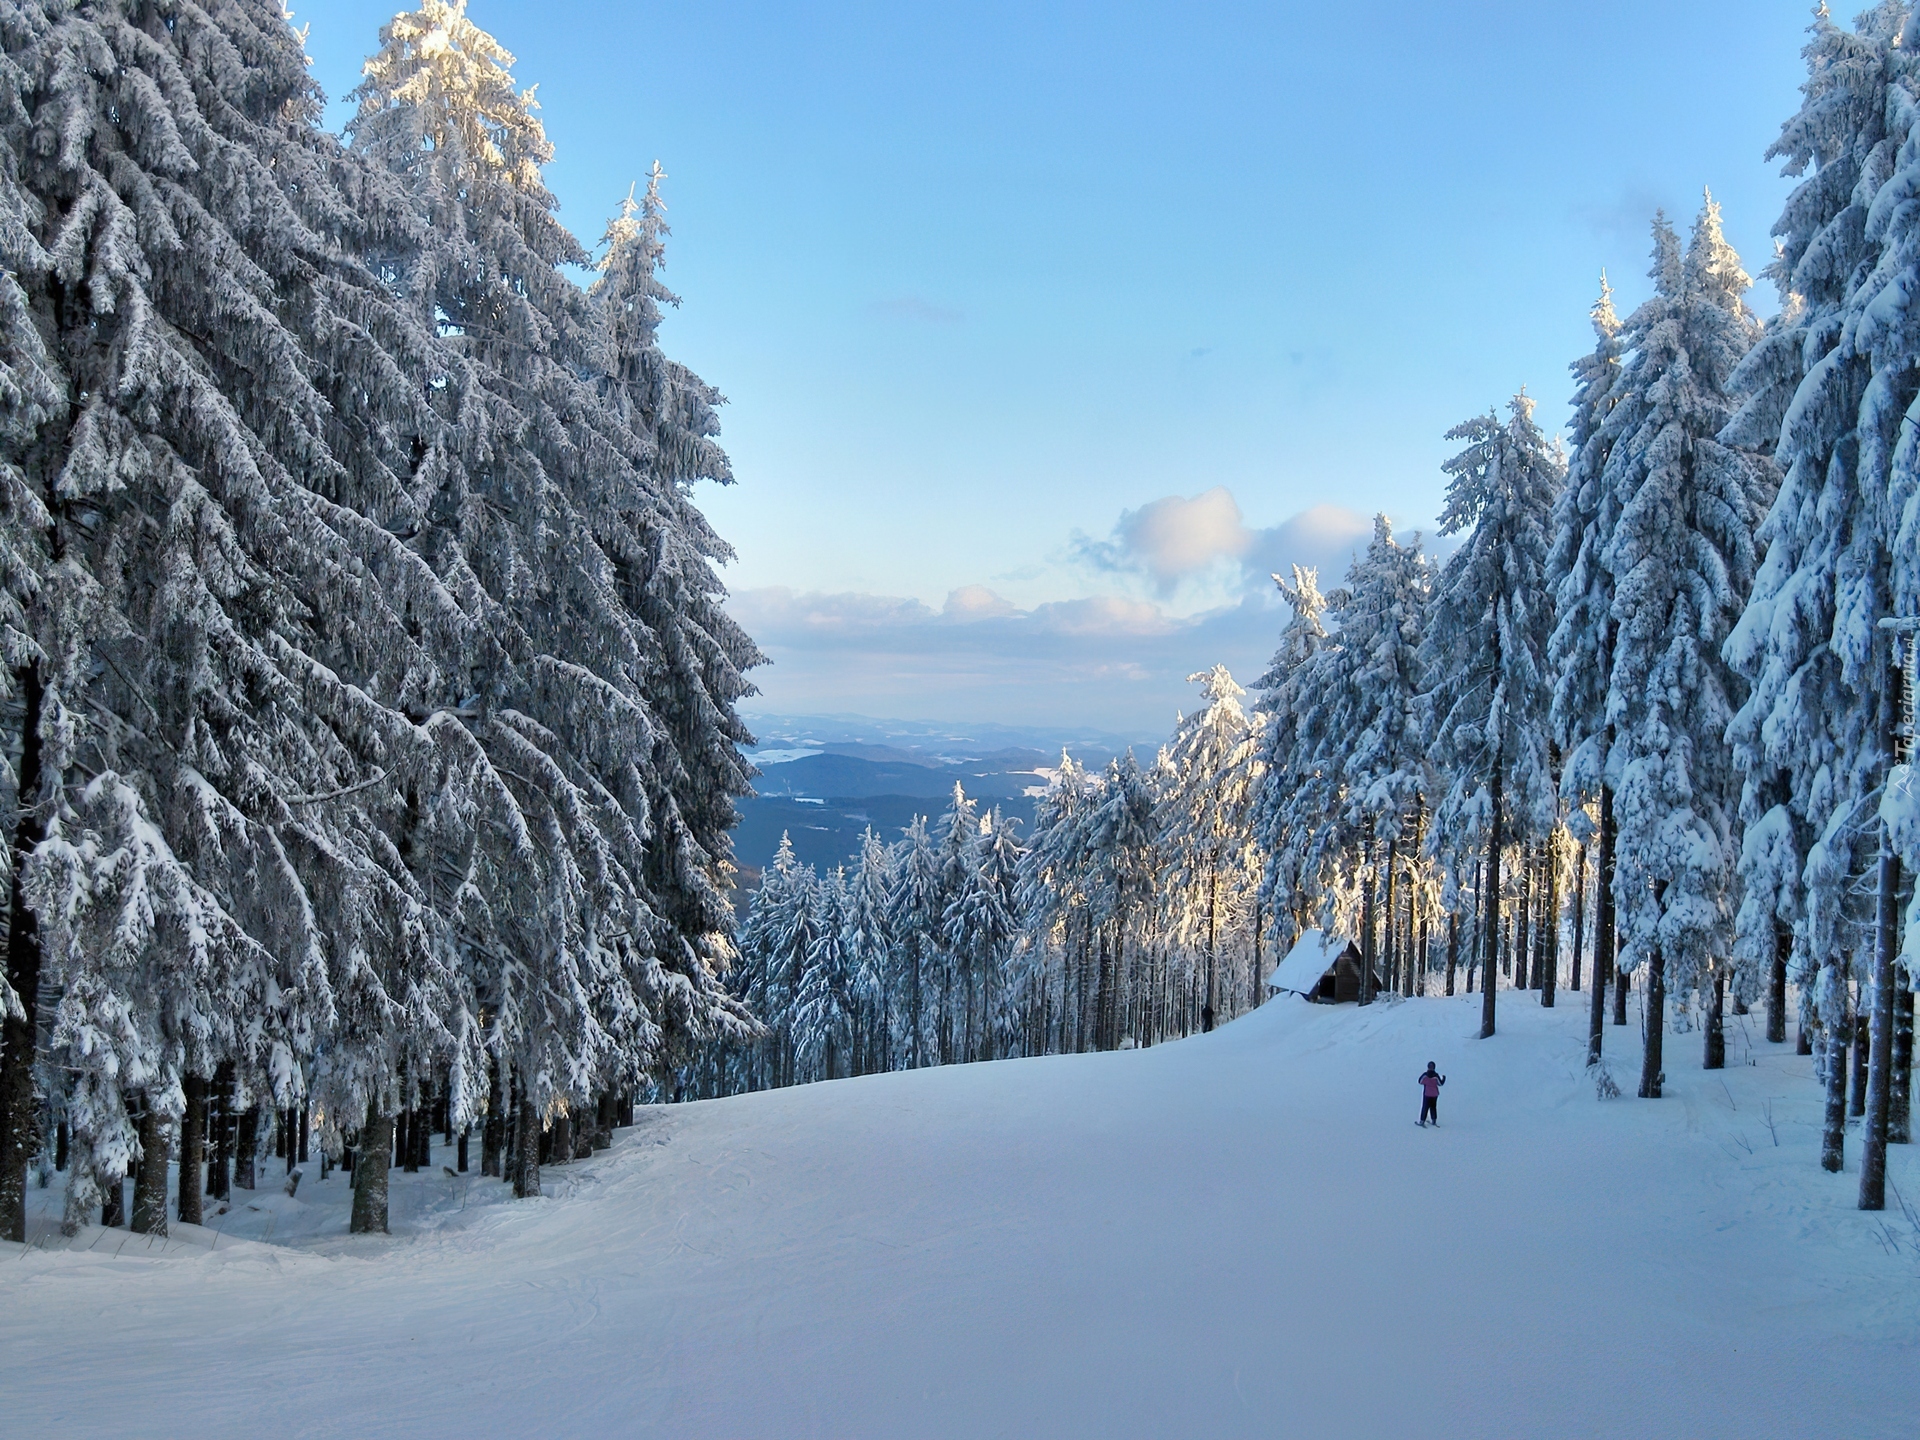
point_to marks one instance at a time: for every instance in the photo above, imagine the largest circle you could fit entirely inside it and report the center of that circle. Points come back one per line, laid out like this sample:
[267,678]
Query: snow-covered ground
[1238,1234]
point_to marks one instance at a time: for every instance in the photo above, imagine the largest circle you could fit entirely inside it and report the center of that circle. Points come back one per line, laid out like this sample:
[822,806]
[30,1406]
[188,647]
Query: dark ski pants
[1430,1109]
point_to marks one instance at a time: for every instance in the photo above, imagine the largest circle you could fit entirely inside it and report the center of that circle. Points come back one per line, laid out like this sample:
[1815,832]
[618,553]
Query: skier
[1430,1084]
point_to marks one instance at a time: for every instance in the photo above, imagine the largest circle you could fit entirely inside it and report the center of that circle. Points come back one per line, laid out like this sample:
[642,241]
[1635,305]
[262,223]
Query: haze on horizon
[1049,332]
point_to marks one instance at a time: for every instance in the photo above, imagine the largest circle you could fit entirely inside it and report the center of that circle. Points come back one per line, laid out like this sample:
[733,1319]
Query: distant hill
[825,779]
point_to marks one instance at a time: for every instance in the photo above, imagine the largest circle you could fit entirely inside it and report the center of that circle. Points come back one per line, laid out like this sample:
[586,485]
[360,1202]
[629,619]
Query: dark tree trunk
[526,1179]
[1369,944]
[1419,956]
[62,1145]
[246,1146]
[306,1128]
[1886,949]
[1490,963]
[1857,1100]
[1777,984]
[1579,918]
[561,1134]
[282,1133]
[1651,1072]
[1511,919]
[1716,1027]
[220,1131]
[370,1175]
[1213,937]
[461,1163]
[1803,1040]
[1606,916]
[113,1201]
[510,1158]
[150,1179]
[20,1035]
[1833,1133]
[1526,956]
[604,1120]
[1453,947]
[1550,929]
[193,1147]
[1393,915]
[422,1142]
[493,1130]
[1900,1103]
[1479,946]
[403,1149]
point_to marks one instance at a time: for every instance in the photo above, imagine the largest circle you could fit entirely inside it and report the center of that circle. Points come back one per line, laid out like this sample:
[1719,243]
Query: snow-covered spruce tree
[665,557]
[914,914]
[1365,683]
[981,925]
[590,907]
[1806,643]
[1838,143]
[1486,650]
[1884,328]
[1122,842]
[1581,647]
[774,943]
[199,235]
[823,1005]
[1211,870]
[31,394]
[869,947]
[1053,903]
[958,857]
[1291,794]
[1681,557]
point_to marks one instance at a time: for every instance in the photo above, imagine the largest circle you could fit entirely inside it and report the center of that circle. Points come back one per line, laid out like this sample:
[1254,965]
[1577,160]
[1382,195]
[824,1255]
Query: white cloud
[1201,547]
[1174,539]
[977,602]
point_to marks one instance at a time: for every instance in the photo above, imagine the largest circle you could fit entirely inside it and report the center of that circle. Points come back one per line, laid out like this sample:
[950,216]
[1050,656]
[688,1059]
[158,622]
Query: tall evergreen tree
[1364,732]
[1806,737]
[587,907]
[869,945]
[823,1003]
[1293,796]
[914,914]
[207,473]
[1682,558]
[1212,774]
[1581,647]
[1486,647]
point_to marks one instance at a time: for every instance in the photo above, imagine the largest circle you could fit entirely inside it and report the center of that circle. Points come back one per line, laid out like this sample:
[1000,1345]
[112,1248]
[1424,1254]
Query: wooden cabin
[1322,968]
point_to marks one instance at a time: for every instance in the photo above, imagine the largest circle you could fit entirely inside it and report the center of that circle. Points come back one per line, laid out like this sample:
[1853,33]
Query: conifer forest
[370,728]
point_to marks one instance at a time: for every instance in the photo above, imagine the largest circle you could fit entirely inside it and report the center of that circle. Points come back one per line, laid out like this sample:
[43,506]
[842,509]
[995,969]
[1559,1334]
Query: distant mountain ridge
[825,779]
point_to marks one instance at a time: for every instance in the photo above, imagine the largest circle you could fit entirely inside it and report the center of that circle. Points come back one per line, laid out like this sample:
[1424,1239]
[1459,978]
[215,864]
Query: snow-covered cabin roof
[1312,956]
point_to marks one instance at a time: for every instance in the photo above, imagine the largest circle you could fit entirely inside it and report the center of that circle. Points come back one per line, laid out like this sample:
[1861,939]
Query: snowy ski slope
[1237,1235]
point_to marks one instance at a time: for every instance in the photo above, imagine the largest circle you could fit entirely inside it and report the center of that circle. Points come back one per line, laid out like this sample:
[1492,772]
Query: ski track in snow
[1233,1235]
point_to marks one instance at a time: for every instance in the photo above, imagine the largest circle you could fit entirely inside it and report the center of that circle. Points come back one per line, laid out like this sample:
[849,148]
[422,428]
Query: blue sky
[1049,329]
